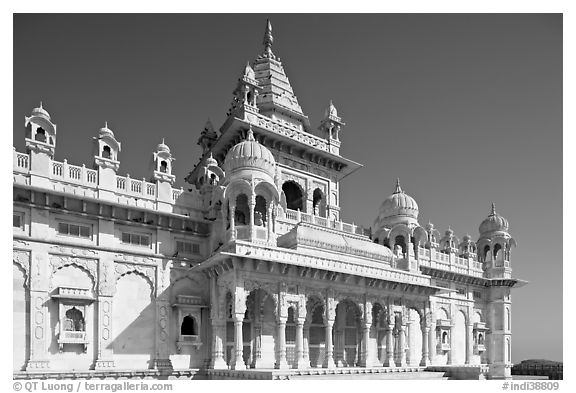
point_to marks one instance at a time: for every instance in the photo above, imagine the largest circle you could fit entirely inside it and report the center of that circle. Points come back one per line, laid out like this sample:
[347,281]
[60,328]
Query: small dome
[449,232]
[162,147]
[105,131]
[40,111]
[398,208]
[429,226]
[466,238]
[493,223]
[211,161]
[249,154]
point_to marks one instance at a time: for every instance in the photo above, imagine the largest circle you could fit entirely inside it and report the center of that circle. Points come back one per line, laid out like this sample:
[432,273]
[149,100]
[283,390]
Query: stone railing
[450,262]
[136,187]
[292,133]
[21,161]
[296,216]
[74,173]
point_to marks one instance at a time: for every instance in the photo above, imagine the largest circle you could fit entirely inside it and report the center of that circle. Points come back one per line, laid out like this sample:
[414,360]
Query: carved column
[106,289]
[469,343]
[238,344]
[217,361]
[328,351]
[402,346]
[38,311]
[251,207]
[232,221]
[408,342]
[300,358]
[365,356]
[449,353]
[306,344]
[269,221]
[425,361]
[281,362]
[389,362]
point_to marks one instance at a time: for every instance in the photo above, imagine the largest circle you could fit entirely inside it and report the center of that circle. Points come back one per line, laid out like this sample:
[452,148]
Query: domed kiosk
[250,194]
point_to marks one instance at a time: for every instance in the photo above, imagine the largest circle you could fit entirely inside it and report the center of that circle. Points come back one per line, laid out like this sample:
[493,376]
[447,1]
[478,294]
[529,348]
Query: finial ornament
[250,134]
[41,105]
[106,124]
[268,39]
[398,188]
[493,210]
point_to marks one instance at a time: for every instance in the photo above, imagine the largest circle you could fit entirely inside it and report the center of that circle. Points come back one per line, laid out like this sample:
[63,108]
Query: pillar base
[328,363]
[240,366]
[218,364]
[301,364]
[425,362]
[35,365]
[282,365]
[389,363]
[104,364]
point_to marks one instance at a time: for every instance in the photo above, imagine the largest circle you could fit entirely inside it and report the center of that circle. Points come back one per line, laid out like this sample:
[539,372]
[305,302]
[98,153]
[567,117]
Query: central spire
[268,39]
[398,188]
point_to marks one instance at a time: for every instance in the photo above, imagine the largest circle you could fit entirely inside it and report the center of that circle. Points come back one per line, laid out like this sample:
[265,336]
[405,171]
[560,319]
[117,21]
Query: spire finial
[398,188]
[106,124]
[268,39]
[493,209]
[41,105]
[250,134]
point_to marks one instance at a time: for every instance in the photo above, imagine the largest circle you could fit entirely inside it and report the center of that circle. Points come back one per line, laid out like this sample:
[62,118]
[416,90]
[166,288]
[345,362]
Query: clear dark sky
[465,109]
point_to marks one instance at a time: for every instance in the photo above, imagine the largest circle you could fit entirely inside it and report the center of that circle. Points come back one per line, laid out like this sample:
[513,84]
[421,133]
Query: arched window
[163,166]
[294,197]
[260,211]
[188,327]
[212,179]
[74,320]
[106,152]
[508,324]
[399,240]
[485,252]
[497,248]
[242,211]
[445,338]
[480,339]
[319,203]
[40,135]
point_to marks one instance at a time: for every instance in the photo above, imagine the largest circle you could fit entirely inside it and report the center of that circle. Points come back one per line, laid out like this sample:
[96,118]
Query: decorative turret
[449,242]
[163,164]
[467,247]
[251,195]
[40,132]
[106,149]
[245,93]
[433,236]
[494,245]
[330,128]
[207,137]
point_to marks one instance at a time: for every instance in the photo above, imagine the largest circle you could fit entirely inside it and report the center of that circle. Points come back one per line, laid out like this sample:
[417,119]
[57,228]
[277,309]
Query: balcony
[71,337]
[188,341]
[296,216]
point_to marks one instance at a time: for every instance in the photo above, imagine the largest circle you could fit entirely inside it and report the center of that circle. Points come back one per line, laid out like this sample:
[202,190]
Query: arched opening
[242,211]
[445,338]
[480,339]
[40,135]
[213,179]
[378,333]
[74,320]
[458,344]
[497,249]
[260,217]
[189,326]
[400,244]
[294,195]
[319,203]
[346,334]
[508,324]
[414,338]
[291,338]
[485,252]
[106,152]
[316,332]
[163,166]
[250,97]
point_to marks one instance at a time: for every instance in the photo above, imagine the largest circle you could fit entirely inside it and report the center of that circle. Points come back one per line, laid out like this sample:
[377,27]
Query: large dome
[493,223]
[398,208]
[250,155]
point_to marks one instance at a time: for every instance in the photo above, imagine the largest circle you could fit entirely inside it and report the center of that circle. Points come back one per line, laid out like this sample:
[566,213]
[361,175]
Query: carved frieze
[134,259]
[57,262]
[148,272]
[107,283]
[80,252]
[301,181]
[20,244]
[22,259]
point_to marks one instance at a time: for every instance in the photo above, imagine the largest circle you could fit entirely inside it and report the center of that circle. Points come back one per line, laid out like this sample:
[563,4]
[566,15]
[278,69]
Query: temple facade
[250,266]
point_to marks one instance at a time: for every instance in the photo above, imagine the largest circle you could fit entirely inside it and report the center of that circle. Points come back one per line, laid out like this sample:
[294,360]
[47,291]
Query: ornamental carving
[20,244]
[82,252]
[134,259]
[22,259]
[59,261]
[147,272]
[107,284]
[297,179]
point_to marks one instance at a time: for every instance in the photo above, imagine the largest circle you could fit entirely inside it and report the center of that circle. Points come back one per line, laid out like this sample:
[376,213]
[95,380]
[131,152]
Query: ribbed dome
[105,131]
[40,111]
[163,147]
[250,154]
[493,223]
[211,161]
[398,207]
